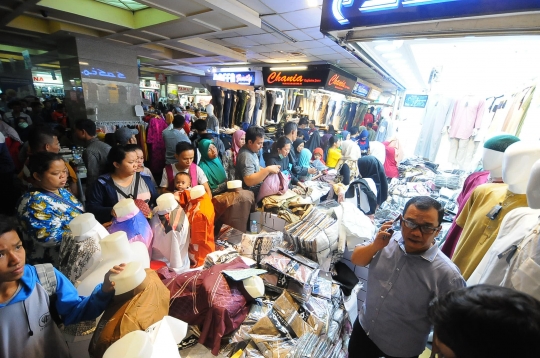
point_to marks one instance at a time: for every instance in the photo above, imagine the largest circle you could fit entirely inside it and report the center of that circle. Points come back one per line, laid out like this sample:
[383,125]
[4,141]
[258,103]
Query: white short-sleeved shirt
[201,177]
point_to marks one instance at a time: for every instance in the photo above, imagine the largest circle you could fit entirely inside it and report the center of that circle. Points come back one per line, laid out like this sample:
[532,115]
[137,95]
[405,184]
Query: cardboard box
[267,221]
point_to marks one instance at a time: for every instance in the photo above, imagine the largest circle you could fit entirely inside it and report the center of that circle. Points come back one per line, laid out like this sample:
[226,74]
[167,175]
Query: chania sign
[348,14]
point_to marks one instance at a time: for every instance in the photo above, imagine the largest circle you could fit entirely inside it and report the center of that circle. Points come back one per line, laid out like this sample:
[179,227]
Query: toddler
[182,181]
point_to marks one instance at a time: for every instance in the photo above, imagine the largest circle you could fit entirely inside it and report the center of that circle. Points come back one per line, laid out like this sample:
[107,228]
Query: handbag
[274,184]
[141,204]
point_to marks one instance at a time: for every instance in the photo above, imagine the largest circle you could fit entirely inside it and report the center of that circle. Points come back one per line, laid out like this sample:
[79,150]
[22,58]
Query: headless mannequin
[233,207]
[80,252]
[200,212]
[479,230]
[158,341]
[127,280]
[124,208]
[140,300]
[518,161]
[82,224]
[516,227]
[171,233]
[492,159]
[115,249]
[131,220]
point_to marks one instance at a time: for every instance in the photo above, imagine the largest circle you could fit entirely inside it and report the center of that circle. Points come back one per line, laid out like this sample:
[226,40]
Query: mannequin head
[533,188]
[82,224]
[127,280]
[234,185]
[518,161]
[166,203]
[196,192]
[494,149]
[125,207]
[136,344]
[115,245]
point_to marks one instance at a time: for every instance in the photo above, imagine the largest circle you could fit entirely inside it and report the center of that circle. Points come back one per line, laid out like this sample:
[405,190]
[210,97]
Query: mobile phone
[395,225]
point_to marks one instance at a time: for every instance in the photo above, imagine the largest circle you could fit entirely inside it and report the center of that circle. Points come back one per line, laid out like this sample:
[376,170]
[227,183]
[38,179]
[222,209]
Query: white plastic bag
[358,227]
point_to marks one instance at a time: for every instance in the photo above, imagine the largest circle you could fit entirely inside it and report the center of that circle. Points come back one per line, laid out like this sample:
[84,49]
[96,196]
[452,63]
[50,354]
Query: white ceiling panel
[257,6]
[314,32]
[250,31]
[241,41]
[308,44]
[320,51]
[298,35]
[304,18]
[282,6]
[260,49]
[278,22]
[265,39]
[216,19]
[282,47]
[331,57]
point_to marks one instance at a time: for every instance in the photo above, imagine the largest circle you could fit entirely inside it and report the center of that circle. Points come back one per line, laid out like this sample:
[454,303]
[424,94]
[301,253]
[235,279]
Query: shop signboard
[374,94]
[241,78]
[360,89]
[340,82]
[149,84]
[184,89]
[310,78]
[46,78]
[348,14]
[160,77]
[415,100]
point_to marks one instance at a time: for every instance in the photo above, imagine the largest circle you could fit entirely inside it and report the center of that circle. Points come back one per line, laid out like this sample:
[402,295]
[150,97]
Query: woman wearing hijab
[363,142]
[304,160]
[347,166]
[212,167]
[238,141]
[370,167]
[345,135]
[212,122]
[298,145]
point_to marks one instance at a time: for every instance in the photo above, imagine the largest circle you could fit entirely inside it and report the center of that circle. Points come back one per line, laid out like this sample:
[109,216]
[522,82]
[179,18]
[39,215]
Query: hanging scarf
[236,143]
[211,167]
[304,158]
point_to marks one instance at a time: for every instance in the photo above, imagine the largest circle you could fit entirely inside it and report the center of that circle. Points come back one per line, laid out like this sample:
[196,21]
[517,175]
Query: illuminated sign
[319,76]
[360,89]
[415,100]
[374,94]
[299,79]
[42,78]
[241,78]
[149,84]
[347,14]
[160,77]
[185,89]
[339,82]
[98,73]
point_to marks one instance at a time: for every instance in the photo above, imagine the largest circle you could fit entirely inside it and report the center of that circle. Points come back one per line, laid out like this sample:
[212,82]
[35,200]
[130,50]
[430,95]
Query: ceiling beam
[19,10]
[214,48]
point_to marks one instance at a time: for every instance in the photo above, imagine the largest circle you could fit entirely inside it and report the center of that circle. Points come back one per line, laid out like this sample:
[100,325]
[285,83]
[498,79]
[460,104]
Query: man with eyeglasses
[406,271]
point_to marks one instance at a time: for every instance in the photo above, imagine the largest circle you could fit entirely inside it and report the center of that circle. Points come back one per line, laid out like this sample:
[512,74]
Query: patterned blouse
[45,217]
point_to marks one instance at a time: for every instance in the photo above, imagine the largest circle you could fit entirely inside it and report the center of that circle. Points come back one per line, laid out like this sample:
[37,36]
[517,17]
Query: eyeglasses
[423,228]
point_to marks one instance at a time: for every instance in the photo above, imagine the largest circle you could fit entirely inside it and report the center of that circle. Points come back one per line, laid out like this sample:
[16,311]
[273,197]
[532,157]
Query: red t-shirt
[390,164]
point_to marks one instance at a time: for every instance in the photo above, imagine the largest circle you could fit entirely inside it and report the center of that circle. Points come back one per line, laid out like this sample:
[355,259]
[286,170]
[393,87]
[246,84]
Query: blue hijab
[304,159]
[344,135]
[364,145]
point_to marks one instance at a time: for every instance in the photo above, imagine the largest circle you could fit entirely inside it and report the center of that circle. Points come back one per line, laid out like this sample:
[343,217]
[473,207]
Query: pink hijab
[236,143]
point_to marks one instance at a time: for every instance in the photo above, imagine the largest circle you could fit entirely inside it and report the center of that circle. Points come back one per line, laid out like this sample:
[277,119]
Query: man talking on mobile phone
[406,271]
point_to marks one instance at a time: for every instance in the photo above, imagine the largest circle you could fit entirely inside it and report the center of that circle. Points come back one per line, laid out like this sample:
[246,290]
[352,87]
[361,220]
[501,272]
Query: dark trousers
[270,100]
[256,109]
[234,103]
[361,346]
[227,108]
[350,116]
[217,100]
[275,112]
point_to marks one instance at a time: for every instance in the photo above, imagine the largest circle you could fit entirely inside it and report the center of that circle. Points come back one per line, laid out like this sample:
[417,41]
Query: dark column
[101,79]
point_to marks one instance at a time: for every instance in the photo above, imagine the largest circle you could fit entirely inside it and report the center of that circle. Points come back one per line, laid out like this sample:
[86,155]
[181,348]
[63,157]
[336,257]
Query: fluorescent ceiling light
[292,68]
[392,55]
[313,3]
[83,63]
[396,61]
[234,69]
